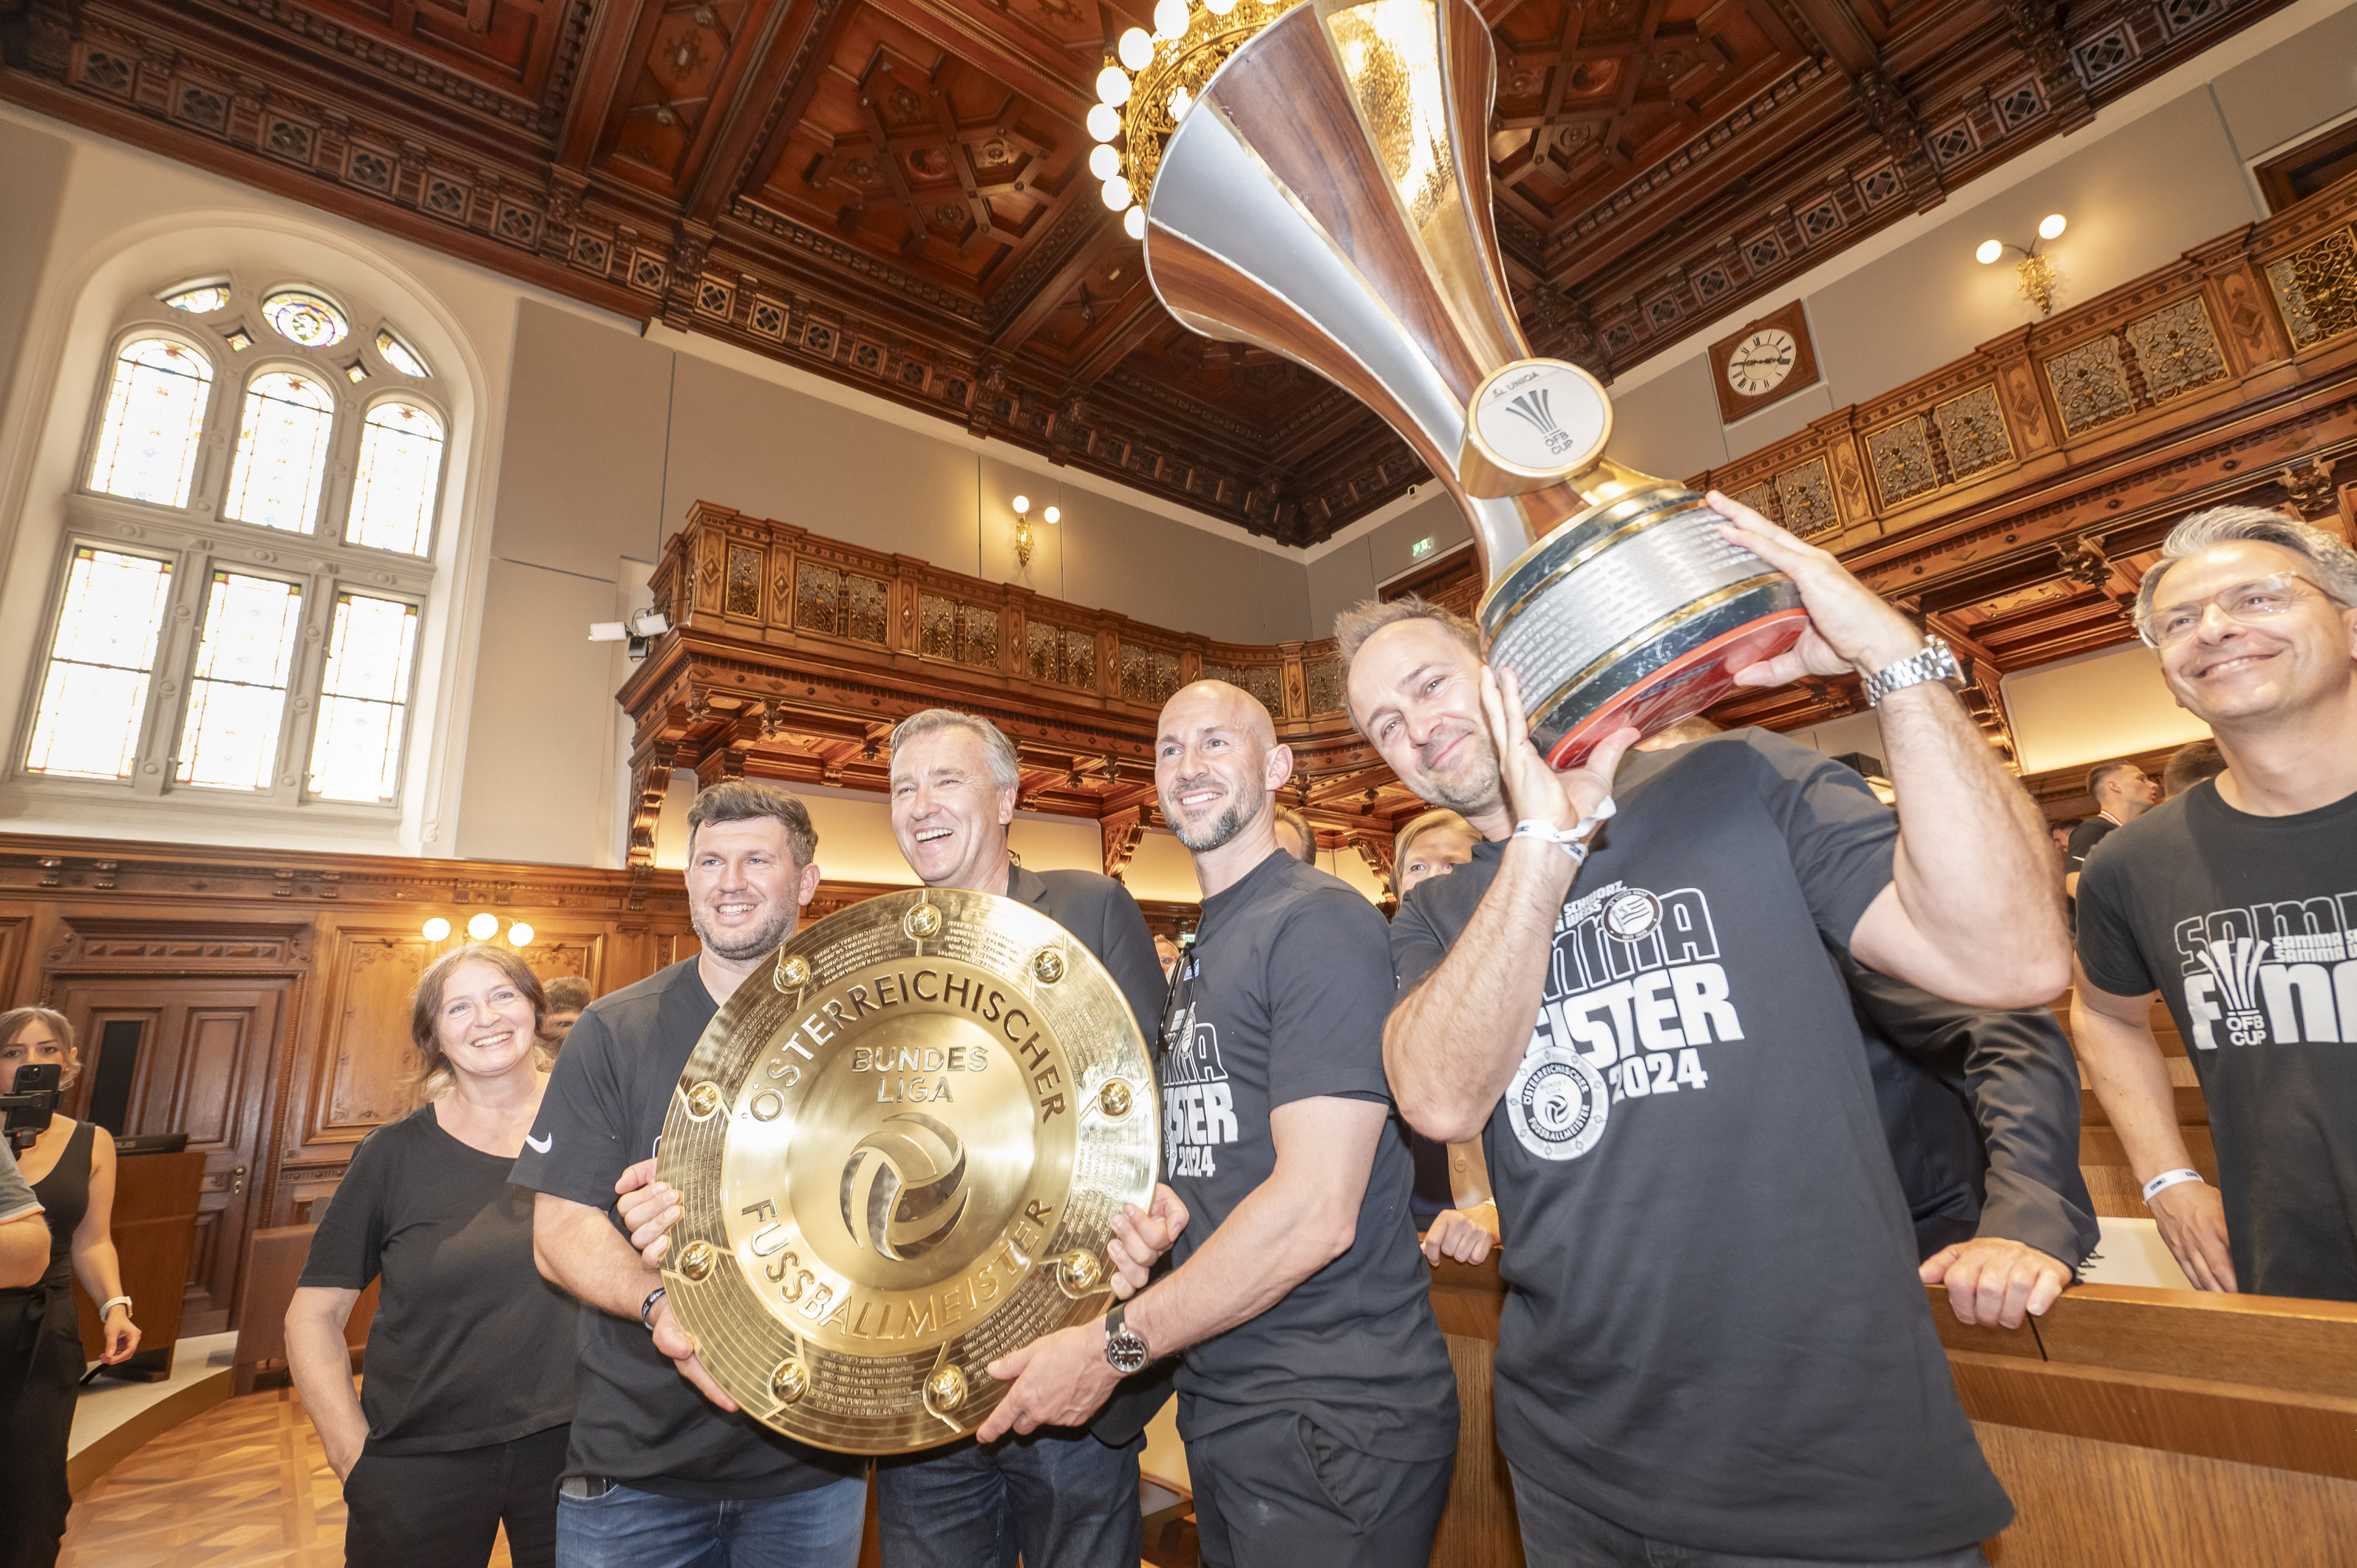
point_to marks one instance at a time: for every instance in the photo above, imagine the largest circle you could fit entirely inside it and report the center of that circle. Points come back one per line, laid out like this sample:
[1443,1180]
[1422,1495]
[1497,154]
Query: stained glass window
[393,488]
[95,691]
[282,452]
[155,416]
[364,700]
[305,318]
[398,354]
[237,693]
[201,300]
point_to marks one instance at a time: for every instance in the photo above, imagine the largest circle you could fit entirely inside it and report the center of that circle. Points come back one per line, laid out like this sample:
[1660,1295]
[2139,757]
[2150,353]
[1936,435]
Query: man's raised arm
[1451,1044]
[1973,912]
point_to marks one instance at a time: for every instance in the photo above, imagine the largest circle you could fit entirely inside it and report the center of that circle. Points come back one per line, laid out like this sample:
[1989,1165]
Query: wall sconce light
[519,935]
[2037,272]
[1024,538]
[483,927]
[437,928]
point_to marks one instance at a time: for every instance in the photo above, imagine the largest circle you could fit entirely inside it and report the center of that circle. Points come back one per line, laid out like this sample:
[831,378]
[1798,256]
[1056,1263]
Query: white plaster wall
[2094,708]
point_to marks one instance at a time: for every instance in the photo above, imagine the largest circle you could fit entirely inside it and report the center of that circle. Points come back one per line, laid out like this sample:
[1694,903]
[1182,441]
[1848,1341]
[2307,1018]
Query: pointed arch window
[394,484]
[154,420]
[282,451]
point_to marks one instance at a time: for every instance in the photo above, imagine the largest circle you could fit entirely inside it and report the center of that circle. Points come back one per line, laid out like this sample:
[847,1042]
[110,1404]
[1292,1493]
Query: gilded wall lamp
[2037,272]
[1024,537]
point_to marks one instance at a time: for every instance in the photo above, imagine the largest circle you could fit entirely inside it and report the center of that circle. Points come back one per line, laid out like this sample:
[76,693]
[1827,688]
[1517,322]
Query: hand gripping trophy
[1314,180]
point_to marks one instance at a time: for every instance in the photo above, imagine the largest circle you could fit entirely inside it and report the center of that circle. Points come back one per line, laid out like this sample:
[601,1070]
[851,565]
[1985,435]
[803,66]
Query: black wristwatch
[1125,1348]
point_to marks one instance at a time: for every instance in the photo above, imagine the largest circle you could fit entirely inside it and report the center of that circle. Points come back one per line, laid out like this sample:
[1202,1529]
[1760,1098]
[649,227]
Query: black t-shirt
[2084,839]
[1714,1334]
[2248,927]
[639,1422]
[1284,999]
[469,1346]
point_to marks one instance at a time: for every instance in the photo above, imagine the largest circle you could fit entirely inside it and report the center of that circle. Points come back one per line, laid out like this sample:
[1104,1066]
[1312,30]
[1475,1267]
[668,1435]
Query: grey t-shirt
[2248,927]
[1282,999]
[16,1199]
[1714,1334]
[638,1421]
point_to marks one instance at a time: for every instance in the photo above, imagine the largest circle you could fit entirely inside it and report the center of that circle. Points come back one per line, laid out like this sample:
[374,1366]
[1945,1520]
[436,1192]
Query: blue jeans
[1063,1501]
[627,1529]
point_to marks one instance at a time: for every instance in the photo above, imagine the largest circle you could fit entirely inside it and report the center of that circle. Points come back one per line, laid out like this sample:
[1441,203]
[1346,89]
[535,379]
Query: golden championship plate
[900,1150]
[1314,178]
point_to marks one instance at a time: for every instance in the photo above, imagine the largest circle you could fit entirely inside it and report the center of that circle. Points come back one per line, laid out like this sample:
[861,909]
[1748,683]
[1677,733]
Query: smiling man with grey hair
[2237,901]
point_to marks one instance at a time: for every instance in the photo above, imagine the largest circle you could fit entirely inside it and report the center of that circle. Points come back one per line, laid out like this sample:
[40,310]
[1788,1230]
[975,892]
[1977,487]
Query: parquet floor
[243,1486]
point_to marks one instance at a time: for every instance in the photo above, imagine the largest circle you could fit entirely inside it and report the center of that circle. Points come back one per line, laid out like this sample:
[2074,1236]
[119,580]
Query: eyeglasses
[2251,604]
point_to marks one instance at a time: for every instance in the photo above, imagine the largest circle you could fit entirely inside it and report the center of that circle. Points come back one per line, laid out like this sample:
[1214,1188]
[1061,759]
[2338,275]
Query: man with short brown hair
[660,1474]
[567,994]
[1694,1365]
[2123,792]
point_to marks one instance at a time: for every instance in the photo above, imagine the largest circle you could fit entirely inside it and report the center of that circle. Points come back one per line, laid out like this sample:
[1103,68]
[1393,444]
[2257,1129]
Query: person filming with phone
[69,1165]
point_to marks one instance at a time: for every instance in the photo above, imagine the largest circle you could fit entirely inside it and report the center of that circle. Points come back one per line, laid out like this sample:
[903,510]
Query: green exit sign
[1420,549]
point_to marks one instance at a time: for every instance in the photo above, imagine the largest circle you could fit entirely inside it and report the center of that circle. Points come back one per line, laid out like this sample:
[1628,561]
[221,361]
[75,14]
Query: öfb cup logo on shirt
[1635,990]
[2283,971]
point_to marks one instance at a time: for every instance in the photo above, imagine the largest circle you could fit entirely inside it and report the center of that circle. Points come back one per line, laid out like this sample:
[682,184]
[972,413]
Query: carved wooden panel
[1973,432]
[2091,385]
[2316,286]
[2176,350]
[365,1066]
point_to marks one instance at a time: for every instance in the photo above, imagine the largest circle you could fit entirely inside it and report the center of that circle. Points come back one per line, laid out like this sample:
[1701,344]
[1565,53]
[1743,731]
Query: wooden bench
[2157,1428]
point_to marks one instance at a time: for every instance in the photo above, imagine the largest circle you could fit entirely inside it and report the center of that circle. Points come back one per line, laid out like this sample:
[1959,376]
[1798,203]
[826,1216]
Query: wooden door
[187,1054]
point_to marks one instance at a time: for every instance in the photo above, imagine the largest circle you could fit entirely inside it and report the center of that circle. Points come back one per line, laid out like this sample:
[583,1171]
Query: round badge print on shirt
[1558,1102]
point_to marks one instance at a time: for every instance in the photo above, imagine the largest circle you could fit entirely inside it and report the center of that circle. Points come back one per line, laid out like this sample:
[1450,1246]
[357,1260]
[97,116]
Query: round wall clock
[1760,363]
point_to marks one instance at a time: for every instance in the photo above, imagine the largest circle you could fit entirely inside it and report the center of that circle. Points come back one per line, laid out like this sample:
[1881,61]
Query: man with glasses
[2237,901]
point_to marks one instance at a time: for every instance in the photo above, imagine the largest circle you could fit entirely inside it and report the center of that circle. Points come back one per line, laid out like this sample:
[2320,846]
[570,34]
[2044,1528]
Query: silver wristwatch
[1125,1347]
[1936,662]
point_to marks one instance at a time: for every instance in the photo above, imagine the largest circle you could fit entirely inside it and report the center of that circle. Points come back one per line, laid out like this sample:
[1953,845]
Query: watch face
[1125,1351]
[1761,361]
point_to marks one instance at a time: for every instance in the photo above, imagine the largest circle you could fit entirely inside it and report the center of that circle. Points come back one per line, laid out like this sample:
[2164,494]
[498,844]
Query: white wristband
[1572,840]
[2166,1179]
[112,1302]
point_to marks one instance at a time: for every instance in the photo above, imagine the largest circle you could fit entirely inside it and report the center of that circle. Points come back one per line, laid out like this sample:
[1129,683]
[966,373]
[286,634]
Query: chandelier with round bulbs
[1156,77]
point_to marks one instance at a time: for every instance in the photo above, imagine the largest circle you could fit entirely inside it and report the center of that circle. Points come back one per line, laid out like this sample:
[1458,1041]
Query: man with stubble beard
[1315,1393]
[1060,1496]
[1714,1348]
[663,1474]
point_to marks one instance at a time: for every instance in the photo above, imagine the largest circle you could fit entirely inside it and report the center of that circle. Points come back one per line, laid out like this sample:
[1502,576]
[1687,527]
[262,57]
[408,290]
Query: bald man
[1315,1393]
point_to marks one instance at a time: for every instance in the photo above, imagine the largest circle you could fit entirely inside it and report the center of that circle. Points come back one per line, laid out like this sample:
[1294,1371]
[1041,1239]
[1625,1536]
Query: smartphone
[32,1100]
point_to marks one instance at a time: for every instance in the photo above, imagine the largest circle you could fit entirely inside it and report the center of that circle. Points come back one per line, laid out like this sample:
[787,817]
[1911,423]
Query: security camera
[644,625]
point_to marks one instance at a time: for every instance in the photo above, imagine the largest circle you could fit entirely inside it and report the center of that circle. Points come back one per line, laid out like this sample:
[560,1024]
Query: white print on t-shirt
[2284,972]
[1199,1110]
[1633,990]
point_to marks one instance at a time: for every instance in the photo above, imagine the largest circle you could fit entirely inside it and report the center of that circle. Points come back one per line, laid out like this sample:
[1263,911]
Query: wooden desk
[2158,1428]
[155,1225]
[273,1264]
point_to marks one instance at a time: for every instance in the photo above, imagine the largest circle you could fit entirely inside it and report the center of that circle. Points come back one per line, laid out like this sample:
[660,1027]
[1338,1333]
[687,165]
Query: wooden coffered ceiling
[892,192]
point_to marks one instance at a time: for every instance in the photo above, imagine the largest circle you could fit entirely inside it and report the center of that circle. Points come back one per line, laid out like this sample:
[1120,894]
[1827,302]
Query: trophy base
[1634,613]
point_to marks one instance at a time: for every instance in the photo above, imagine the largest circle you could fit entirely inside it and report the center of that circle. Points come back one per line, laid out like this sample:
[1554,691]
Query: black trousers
[1280,1492]
[40,1363]
[444,1510]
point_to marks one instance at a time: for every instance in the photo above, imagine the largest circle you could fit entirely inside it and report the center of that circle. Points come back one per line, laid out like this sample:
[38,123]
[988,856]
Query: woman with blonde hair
[462,1426]
[71,1169]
